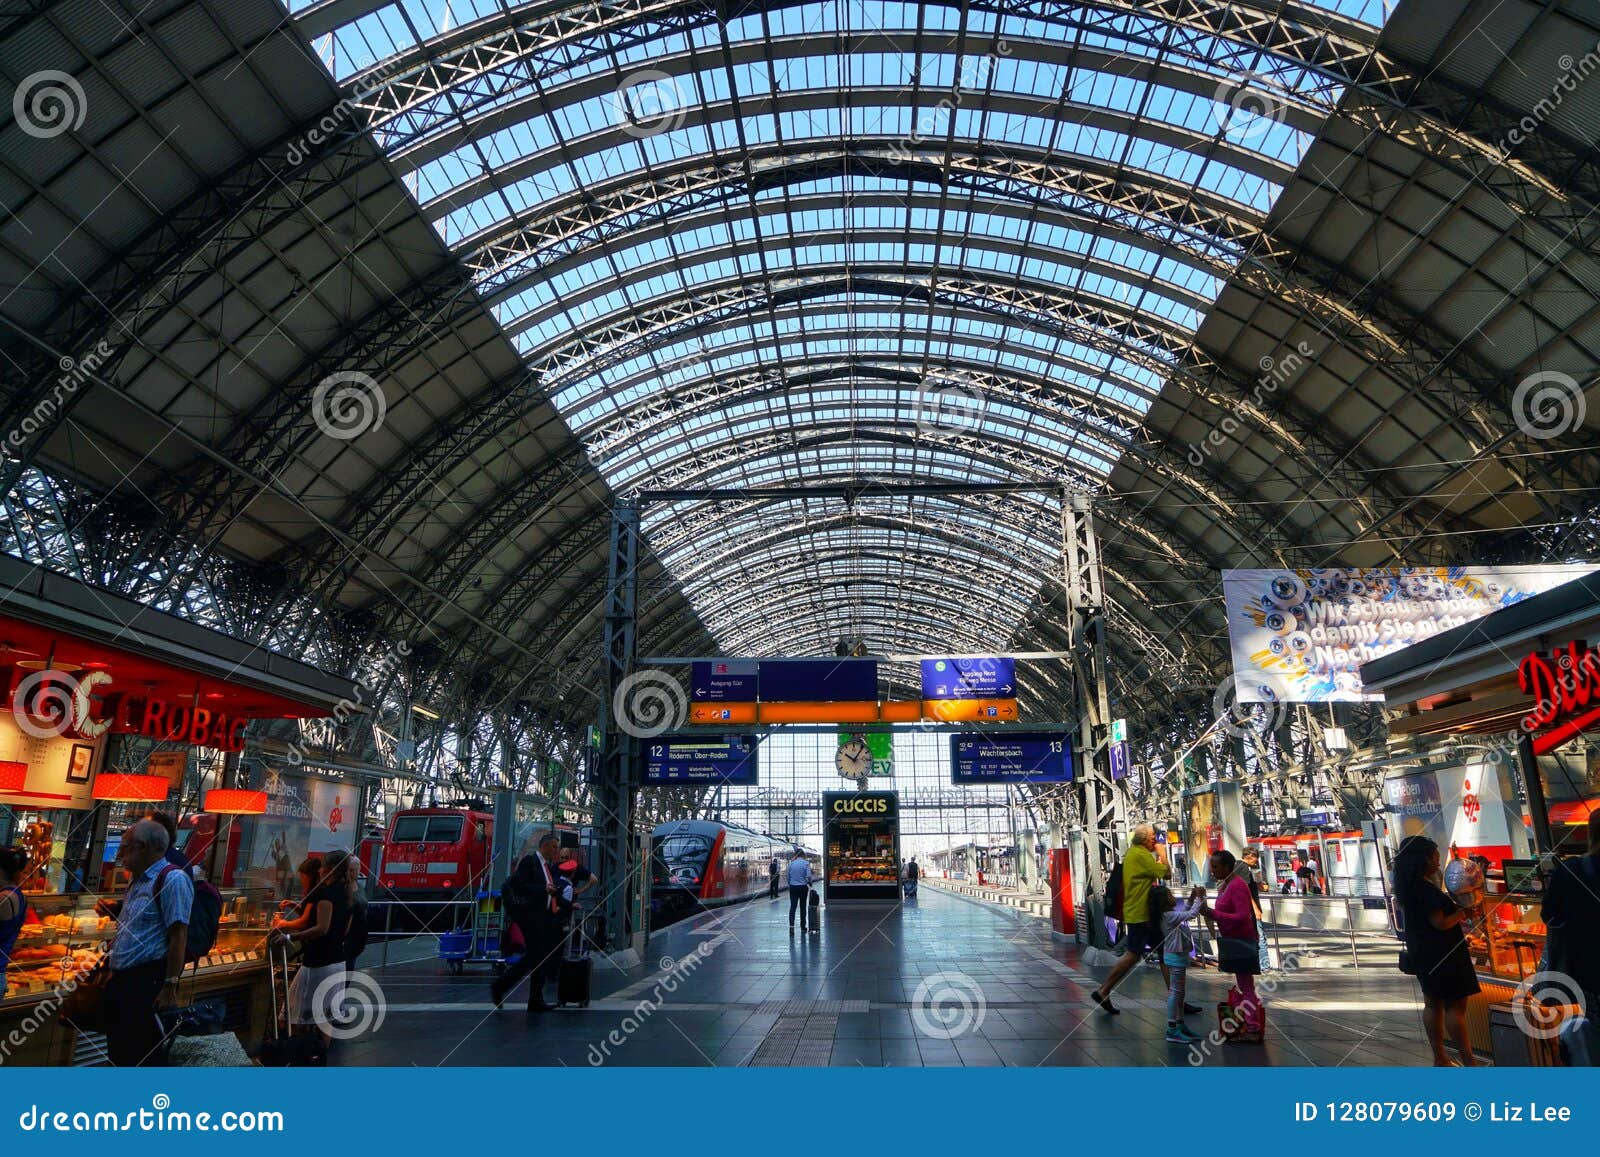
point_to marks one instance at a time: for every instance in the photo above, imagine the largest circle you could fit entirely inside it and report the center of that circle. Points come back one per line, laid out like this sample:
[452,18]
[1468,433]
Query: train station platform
[942,980]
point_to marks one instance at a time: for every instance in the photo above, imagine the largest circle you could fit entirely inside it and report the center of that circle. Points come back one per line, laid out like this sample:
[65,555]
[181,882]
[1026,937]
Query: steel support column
[615,789]
[1100,802]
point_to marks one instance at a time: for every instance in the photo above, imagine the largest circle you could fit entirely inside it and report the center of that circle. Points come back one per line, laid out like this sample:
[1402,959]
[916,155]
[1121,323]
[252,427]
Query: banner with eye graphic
[1301,636]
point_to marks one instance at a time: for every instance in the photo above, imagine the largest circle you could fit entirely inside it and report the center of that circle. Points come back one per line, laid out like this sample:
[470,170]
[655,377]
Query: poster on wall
[304,816]
[1468,810]
[1201,832]
[1301,636]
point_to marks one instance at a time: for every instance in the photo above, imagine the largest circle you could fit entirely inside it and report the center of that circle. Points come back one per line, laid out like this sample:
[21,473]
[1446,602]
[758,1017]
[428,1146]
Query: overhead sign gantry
[726,692]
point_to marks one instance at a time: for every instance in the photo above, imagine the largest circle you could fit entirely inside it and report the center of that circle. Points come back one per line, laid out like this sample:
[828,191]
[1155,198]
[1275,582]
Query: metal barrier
[389,933]
[1360,920]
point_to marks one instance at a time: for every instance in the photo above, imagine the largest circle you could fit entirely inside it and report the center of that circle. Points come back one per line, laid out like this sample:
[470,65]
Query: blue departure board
[1010,757]
[708,759]
[819,680]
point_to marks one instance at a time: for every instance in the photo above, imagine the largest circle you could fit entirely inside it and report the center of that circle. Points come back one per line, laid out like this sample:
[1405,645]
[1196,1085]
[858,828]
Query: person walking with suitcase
[537,908]
[773,872]
[800,878]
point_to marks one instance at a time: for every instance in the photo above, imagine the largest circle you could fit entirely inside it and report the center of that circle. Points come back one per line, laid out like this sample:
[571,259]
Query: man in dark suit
[542,899]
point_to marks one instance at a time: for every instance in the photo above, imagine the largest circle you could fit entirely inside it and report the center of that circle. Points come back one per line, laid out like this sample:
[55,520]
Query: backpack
[204,915]
[515,897]
[1114,893]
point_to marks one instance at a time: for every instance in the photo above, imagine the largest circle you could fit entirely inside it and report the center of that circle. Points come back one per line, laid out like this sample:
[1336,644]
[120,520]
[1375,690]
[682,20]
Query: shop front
[861,845]
[1507,774]
[112,712]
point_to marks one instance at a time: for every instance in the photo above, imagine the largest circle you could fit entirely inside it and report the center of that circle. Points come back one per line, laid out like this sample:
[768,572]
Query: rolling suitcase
[814,911]
[576,974]
[283,1047]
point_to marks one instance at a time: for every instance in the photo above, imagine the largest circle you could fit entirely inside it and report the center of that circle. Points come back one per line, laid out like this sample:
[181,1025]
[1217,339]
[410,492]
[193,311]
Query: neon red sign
[1566,693]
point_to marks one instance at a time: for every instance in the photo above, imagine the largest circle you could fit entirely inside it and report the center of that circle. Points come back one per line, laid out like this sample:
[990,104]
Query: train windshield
[684,857]
[426,830]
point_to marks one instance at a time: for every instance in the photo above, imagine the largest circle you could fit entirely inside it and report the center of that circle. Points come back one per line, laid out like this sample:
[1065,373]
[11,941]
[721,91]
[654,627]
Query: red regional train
[707,863]
[437,853]
[444,852]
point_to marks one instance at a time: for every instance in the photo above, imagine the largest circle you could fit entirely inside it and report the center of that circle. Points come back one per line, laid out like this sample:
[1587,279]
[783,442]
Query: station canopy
[1263,278]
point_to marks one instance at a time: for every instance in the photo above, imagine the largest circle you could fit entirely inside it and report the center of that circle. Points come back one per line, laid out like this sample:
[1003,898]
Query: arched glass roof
[825,241]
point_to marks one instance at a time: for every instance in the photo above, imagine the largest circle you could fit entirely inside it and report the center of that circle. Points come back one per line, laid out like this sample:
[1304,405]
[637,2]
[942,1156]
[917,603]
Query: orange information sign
[864,712]
[722,713]
[970,710]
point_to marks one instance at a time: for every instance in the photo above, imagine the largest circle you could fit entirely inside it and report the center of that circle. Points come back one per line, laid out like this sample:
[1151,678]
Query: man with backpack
[1140,871]
[147,956]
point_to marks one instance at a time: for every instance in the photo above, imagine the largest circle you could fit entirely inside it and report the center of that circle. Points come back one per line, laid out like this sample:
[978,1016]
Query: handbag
[1236,954]
[85,1007]
[1405,964]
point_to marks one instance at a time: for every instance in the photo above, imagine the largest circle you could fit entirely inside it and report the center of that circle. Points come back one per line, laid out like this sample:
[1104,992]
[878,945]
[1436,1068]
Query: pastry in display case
[64,936]
[37,840]
[1509,941]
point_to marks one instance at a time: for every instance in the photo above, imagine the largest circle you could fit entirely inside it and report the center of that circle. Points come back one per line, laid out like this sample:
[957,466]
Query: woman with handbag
[1436,950]
[1238,940]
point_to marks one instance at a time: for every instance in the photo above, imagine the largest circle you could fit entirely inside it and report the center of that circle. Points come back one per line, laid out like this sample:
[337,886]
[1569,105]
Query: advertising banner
[1468,810]
[1301,636]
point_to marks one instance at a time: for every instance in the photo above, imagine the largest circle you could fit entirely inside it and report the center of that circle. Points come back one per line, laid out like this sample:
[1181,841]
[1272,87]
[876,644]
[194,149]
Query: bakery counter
[63,939]
[31,1033]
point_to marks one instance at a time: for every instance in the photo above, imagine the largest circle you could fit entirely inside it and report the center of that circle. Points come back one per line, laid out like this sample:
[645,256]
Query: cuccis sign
[1566,694]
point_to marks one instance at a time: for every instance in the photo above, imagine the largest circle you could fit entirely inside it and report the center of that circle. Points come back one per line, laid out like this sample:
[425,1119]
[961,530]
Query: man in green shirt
[1140,870]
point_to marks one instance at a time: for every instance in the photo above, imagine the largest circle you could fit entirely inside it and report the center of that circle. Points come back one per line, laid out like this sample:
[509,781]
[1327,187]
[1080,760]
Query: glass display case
[1508,943]
[64,936]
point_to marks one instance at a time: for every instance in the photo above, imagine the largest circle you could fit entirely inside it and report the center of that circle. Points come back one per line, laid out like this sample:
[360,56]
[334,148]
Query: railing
[426,913]
[1358,921]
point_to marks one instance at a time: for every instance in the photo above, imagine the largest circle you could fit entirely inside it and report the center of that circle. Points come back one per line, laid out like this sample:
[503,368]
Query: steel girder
[267,438]
[631,428]
[720,303]
[465,74]
[968,530]
[378,507]
[1207,231]
[1321,459]
[1271,46]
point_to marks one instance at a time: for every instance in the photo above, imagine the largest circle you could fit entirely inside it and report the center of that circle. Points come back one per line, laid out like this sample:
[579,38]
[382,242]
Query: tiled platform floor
[940,981]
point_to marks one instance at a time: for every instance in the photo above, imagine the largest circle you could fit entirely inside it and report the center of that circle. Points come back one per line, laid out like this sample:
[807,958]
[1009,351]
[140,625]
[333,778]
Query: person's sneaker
[1176,1035]
[1188,1033]
[1191,1009]
[1104,1002]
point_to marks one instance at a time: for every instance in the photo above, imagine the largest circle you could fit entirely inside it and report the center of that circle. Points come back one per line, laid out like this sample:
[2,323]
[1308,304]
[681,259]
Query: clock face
[853,758]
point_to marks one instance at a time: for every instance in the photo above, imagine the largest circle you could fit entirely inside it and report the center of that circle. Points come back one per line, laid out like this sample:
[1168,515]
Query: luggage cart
[483,943]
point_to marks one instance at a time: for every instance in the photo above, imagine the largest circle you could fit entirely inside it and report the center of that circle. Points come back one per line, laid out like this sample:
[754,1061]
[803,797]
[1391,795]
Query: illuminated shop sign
[862,804]
[52,702]
[1566,693]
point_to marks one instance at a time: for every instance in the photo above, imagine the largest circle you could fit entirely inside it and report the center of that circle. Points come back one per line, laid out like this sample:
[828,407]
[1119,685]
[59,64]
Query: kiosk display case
[861,845]
[64,936]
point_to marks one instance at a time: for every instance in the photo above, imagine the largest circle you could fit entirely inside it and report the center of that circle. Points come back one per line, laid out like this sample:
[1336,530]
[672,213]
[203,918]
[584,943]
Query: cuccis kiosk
[861,845]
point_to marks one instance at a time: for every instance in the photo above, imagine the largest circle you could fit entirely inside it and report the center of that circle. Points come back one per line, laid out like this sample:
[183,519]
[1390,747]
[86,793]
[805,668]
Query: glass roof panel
[671,223]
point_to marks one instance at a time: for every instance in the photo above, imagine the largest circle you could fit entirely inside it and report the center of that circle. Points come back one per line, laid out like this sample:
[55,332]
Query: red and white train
[700,864]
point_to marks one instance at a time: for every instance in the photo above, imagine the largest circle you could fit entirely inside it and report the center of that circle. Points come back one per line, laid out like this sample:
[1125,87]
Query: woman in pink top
[1236,920]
